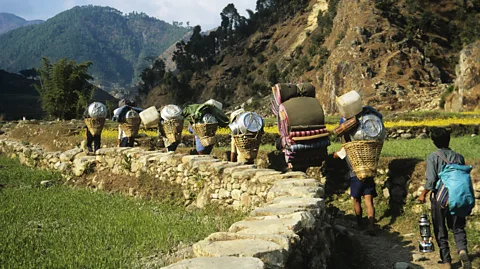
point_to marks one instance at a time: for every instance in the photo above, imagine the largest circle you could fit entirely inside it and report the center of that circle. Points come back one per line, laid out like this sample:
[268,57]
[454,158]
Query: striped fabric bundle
[307,133]
[311,145]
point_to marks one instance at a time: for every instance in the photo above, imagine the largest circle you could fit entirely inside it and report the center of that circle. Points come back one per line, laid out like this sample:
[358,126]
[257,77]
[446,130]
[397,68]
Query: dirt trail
[388,248]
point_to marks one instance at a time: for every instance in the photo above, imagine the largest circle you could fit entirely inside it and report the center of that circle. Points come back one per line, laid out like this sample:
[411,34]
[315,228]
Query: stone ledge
[219,262]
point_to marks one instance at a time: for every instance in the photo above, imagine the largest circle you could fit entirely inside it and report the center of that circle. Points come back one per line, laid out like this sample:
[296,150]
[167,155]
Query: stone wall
[287,226]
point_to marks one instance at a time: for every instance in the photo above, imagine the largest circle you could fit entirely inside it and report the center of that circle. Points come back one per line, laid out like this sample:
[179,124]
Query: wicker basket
[131,126]
[206,132]
[173,130]
[248,144]
[363,156]
[95,125]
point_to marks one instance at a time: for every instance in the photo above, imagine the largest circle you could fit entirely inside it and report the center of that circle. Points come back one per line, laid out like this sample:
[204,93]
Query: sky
[205,13]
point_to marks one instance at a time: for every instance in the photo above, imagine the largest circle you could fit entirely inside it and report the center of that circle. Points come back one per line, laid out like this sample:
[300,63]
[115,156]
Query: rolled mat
[302,111]
[283,92]
[173,129]
[131,126]
[95,125]
[363,156]
[248,144]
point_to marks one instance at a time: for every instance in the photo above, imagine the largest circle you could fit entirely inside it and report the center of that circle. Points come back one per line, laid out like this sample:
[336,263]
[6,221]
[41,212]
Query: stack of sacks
[301,124]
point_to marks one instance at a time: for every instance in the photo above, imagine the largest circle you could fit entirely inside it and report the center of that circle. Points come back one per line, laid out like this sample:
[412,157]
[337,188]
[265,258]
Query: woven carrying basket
[363,156]
[173,130]
[95,125]
[248,144]
[131,126]
[206,132]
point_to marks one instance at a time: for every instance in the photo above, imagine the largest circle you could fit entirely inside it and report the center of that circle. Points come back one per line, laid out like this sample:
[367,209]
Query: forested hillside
[399,54]
[119,45]
[9,22]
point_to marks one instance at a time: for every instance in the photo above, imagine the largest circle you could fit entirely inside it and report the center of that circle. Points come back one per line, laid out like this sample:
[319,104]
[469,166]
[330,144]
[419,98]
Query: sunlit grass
[468,146]
[61,227]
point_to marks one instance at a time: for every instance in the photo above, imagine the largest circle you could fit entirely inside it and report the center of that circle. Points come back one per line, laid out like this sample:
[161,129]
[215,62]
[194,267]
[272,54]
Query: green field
[61,227]
[468,146]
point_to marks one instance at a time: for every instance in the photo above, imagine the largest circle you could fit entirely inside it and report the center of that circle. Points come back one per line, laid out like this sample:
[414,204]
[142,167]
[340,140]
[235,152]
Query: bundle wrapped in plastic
[120,113]
[97,110]
[171,112]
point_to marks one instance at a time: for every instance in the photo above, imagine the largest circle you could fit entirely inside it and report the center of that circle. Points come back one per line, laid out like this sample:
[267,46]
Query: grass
[468,146]
[61,227]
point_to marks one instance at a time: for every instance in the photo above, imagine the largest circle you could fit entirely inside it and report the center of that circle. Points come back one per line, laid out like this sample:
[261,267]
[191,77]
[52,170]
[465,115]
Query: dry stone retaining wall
[287,225]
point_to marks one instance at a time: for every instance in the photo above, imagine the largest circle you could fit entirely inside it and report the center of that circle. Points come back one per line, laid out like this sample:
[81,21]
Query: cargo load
[150,117]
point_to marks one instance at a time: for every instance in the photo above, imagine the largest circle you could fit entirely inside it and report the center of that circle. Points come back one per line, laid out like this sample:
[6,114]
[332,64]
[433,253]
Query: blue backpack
[455,178]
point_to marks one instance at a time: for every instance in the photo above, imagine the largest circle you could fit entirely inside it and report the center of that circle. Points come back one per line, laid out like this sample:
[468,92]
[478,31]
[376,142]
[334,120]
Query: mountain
[18,97]
[9,22]
[400,55]
[120,46]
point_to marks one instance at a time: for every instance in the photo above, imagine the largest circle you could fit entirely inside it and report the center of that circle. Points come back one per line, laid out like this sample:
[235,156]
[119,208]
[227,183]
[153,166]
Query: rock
[386,193]
[402,265]
[46,183]
[406,136]
[83,164]
[418,257]
[68,155]
[219,262]
[422,136]
[271,249]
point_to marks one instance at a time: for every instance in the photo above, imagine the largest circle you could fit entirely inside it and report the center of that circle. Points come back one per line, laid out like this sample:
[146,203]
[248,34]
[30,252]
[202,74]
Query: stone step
[219,262]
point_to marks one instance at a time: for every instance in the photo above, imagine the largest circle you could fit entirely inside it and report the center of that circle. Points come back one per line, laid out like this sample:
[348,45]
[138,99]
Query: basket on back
[363,156]
[95,125]
[173,129]
[205,132]
[248,144]
[131,126]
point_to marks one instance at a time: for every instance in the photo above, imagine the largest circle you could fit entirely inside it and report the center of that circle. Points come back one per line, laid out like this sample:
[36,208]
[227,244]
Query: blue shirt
[198,144]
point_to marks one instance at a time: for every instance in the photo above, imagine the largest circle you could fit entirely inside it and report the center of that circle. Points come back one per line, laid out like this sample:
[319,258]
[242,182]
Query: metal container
[370,128]
[171,112]
[97,110]
[132,114]
[209,118]
[249,122]
[234,128]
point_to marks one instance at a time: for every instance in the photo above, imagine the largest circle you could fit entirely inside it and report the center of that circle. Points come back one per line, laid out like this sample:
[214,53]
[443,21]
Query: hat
[236,113]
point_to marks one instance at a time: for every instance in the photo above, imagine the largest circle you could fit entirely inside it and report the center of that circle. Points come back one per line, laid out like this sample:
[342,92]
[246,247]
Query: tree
[152,76]
[64,88]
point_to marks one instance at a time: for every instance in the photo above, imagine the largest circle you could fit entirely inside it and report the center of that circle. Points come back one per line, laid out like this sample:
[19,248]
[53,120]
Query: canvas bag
[455,188]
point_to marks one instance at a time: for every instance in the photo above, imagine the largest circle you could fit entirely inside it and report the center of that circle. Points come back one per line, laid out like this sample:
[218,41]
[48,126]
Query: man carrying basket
[94,117]
[170,126]
[246,130]
[204,120]
[362,133]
